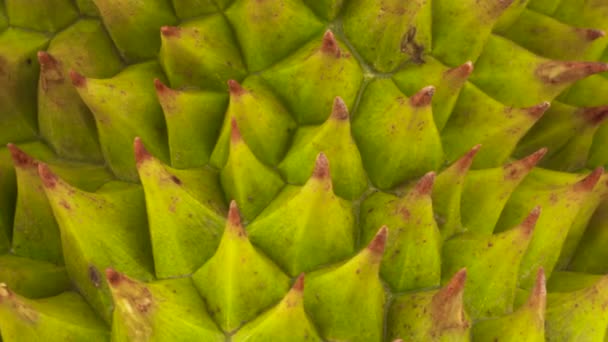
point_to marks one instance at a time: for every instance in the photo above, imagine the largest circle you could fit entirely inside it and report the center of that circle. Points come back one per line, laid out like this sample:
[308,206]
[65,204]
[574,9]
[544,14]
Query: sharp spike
[595,115]
[538,110]
[235,88]
[464,163]
[330,44]
[339,111]
[456,284]
[463,71]
[170,31]
[298,285]
[78,80]
[20,158]
[425,184]
[141,154]
[556,72]
[538,296]
[376,246]
[321,170]
[530,221]
[590,34]
[588,183]
[423,97]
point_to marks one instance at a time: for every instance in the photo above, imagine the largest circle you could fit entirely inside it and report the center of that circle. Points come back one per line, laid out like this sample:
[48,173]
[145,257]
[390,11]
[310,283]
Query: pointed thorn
[591,34]
[330,44]
[114,278]
[376,246]
[46,60]
[170,31]
[234,216]
[556,72]
[423,97]
[49,179]
[235,133]
[321,170]
[339,111]
[161,88]
[588,183]
[299,283]
[464,163]
[538,110]
[425,184]
[20,158]
[235,88]
[530,222]
[141,154]
[595,115]
[530,161]
[78,80]
[462,71]
[456,284]
[539,292]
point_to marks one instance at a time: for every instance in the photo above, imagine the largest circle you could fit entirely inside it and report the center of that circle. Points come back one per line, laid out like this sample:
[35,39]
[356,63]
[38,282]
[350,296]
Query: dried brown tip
[234,216]
[170,31]
[321,170]
[77,79]
[590,34]
[538,110]
[462,71]
[339,111]
[595,115]
[161,88]
[46,60]
[141,154]
[464,163]
[530,222]
[556,72]
[423,97]
[456,284]
[235,88]
[114,278]
[235,133]
[530,161]
[299,283]
[48,178]
[588,183]
[538,296]
[330,44]
[376,246]
[425,184]
[20,158]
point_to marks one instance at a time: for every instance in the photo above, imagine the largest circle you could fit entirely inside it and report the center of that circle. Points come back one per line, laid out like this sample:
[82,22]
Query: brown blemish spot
[20,158]
[595,115]
[556,72]
[588,183]
[78,80]
[376,246]
[424,187]
[537,111]
[170,31]
[49,179]
[299,283]
[590,34]
[235,88]
[141,154]
[330,45]
[423,97]
[538,296]
[321,170]
[235,133]
[114,278]
[339,111]
[530,222]
[94,276]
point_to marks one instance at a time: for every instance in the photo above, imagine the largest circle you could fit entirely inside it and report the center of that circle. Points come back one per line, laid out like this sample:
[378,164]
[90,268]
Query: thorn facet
[160,86]
[538,110]
[588,183]
[330,45]
[423,97]
[339,111]
[46,60]
[556,72]
[464,163]
[376,246]
[141,154]
[530,221]
[321,170]
[114,278]
[463,71]
[425,184]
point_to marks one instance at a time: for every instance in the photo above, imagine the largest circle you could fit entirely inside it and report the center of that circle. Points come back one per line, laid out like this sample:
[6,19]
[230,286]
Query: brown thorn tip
[376,246]
[235,133]
[456,283]
[588,183]
[49,179]
[556,72]
[533,159]
[114,278]
[160,86]
[321,170]
[595,115]
[299,283]
[45,59]
[77,79]
[423,97]
[425,184]
[235,88]
[20,158]
[538,110]
[530,221]
[234,216]
[591,34]
[464,163]
[463,71]
[330,44]
[170,31]
[141,154]
[540,290]
[339,111]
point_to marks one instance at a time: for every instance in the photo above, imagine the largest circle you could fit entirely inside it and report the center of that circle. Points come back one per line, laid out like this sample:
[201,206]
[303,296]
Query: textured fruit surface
[303,170]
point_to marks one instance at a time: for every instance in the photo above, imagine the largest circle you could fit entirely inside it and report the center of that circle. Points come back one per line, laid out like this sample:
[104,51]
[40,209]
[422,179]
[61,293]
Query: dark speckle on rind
[94,276]
[176,180]
[20,158]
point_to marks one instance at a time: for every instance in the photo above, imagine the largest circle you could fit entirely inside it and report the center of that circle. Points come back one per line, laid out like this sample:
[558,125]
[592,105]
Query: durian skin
[438,105]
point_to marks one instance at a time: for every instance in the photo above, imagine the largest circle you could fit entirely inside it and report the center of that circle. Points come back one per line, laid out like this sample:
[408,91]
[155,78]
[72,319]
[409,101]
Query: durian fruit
[303,170]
